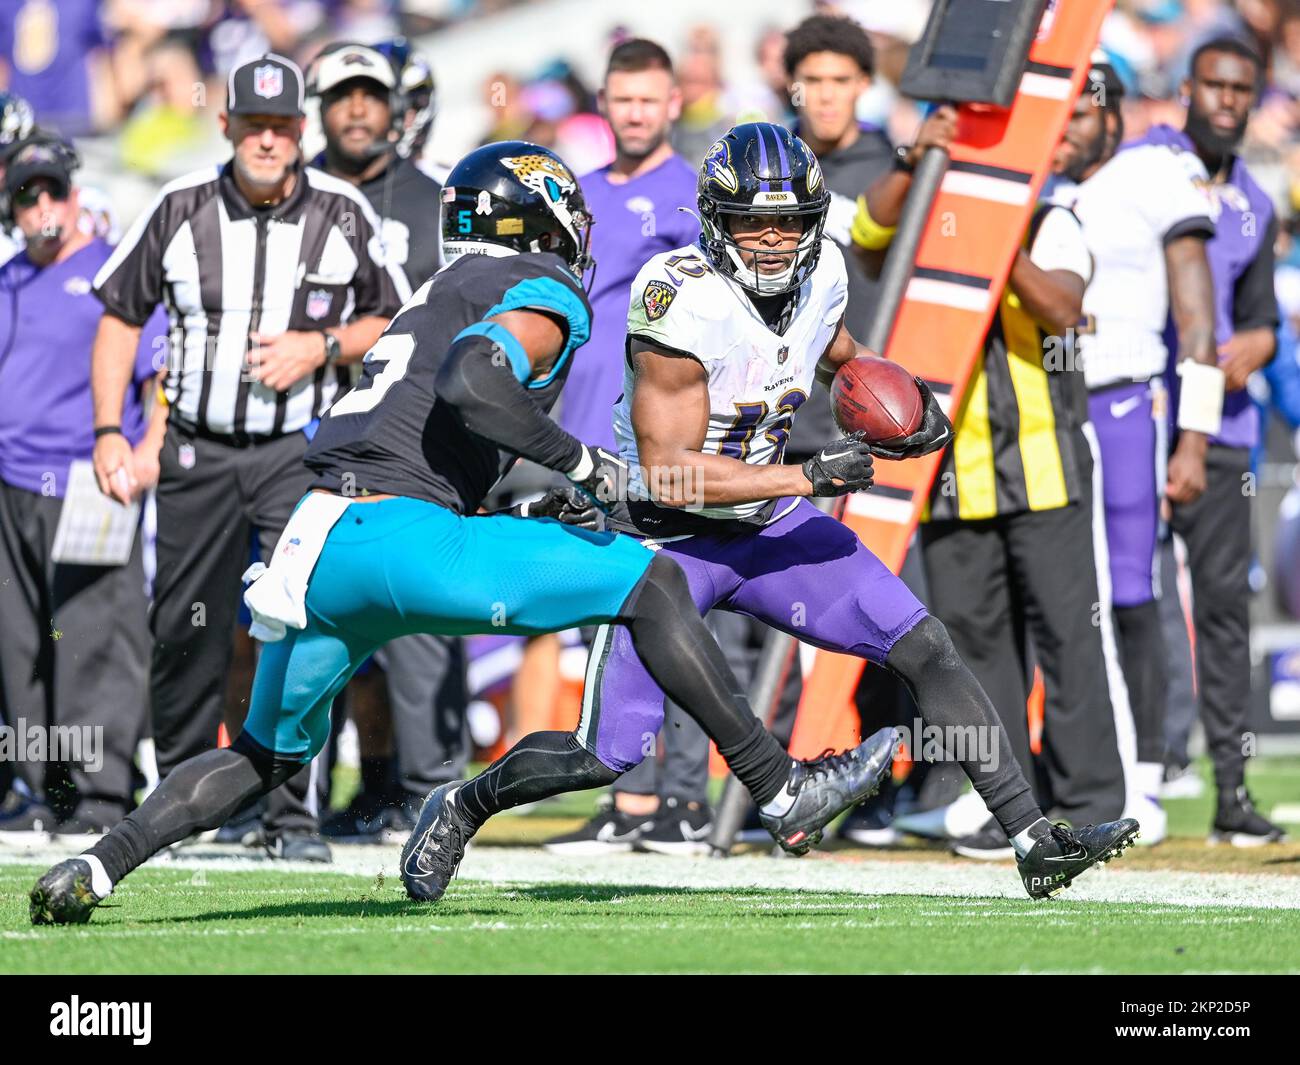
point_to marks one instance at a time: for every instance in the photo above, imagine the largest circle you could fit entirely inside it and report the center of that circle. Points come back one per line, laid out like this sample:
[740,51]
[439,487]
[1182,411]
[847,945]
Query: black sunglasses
[30,194]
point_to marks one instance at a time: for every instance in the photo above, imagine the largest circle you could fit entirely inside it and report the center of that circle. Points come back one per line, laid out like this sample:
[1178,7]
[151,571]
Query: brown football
[877,398]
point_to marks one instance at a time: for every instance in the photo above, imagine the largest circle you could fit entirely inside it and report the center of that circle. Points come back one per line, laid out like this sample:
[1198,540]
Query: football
[877,398]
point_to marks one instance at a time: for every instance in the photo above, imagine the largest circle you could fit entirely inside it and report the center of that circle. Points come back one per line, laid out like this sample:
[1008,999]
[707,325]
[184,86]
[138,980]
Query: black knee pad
[926,645]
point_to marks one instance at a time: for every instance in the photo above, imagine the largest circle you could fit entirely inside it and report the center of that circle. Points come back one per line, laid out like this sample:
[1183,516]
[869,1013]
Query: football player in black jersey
[389,542]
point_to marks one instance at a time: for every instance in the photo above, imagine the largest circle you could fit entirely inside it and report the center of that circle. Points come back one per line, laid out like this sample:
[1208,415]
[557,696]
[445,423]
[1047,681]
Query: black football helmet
[513,196]
[760,168]
[417,86]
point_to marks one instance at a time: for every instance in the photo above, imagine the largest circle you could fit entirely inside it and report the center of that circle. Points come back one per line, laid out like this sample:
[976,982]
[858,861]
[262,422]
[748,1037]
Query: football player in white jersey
[725,339]
[1146,223]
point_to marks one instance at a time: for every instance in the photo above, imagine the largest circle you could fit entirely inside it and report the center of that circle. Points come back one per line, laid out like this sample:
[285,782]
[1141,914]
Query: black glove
[935,432]
[846,461]
[602,475]
[567,505]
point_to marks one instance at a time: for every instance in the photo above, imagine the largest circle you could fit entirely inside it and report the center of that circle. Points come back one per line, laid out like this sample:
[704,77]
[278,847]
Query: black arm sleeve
[476,380]
[1254,304]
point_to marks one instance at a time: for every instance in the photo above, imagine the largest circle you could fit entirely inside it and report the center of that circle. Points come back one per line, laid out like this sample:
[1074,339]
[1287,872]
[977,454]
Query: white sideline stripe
[985,187]
[1121,706]
[882,508]
[1044,85]
[954,880]
[947,294]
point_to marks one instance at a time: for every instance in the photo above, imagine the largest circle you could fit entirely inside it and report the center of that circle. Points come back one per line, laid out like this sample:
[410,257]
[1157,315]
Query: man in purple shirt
[1221,90]
[636,203]
[72,660]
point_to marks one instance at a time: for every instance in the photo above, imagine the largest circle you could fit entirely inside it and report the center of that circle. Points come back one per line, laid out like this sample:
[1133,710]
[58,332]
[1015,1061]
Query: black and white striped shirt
[224,269]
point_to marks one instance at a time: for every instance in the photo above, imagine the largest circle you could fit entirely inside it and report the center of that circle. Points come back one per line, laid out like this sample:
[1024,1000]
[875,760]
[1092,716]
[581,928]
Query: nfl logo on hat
[268,81]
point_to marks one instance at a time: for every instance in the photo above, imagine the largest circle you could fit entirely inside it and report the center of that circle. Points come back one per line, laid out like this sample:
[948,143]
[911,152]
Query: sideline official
[273,277]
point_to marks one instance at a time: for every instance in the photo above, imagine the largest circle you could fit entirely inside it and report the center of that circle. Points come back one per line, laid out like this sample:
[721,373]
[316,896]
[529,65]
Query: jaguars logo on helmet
[515,197]
[760,169]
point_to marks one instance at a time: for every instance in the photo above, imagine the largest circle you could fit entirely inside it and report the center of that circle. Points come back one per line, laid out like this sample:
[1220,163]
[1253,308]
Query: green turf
[275,922]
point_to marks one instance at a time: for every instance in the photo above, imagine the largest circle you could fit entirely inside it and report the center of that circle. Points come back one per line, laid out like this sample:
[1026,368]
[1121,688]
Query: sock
[1148,777]
[780,803]
[1023,842]
[760,763]
[100,883]
[538,766]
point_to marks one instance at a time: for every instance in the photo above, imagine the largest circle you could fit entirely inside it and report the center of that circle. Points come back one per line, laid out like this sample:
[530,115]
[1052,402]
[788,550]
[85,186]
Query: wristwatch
[333,349]
[902,158]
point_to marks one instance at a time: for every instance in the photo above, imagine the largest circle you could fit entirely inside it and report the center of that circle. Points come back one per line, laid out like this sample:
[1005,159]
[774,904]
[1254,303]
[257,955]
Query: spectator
[75,642]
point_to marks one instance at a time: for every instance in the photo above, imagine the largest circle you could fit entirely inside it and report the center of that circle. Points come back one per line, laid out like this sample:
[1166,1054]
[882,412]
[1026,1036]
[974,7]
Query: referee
[273,280]
[423,687]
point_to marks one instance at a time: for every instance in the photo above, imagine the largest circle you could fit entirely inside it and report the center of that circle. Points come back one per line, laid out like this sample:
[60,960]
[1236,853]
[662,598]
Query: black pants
[1216,530]
[1180,698]
[999,583]
[210,496]
[72,656]
[427,695]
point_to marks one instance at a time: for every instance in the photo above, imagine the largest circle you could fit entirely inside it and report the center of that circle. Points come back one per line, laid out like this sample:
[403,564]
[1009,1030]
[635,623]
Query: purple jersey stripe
[785,164]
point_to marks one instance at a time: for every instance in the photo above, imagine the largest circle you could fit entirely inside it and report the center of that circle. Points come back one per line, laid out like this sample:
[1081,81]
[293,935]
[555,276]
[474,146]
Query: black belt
[238,438]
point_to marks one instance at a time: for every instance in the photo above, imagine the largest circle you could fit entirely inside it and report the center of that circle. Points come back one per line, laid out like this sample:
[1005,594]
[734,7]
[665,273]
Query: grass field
[1180,907]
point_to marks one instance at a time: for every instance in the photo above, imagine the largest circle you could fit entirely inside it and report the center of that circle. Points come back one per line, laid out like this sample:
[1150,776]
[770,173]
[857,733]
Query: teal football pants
[403,565]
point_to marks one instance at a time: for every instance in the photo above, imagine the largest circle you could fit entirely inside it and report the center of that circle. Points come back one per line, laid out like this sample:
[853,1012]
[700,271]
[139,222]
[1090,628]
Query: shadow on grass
[457,906]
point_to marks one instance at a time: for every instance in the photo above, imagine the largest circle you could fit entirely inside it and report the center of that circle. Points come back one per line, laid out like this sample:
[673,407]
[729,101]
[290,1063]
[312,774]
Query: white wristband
[584,468]
[1200,399]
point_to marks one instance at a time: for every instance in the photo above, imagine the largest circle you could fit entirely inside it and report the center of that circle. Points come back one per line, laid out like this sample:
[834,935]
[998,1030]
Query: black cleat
[1239,824]
[825,787]
[63,895]
[1061,854]
[298,847]
[437,844]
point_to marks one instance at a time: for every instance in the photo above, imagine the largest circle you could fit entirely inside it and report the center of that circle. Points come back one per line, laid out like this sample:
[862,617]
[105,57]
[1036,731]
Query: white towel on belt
[277,594]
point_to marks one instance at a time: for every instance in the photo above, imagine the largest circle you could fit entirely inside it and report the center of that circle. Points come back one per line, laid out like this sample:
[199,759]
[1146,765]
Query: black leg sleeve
[540,765]
[198,794]
[682,656]
[950,697]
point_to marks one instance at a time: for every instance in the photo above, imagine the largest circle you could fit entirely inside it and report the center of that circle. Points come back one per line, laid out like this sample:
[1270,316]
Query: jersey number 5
[394,351]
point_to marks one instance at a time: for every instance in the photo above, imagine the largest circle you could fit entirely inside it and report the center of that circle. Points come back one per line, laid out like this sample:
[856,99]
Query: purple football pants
[804,573]
[1131,435]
